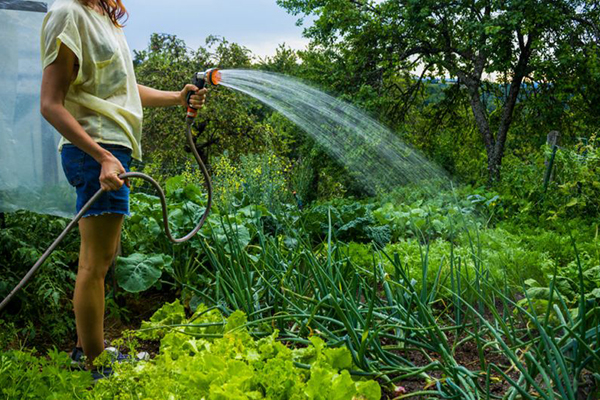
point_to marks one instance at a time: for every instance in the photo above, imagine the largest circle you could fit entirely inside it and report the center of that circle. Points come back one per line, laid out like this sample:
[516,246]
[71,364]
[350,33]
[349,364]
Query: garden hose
[212,77]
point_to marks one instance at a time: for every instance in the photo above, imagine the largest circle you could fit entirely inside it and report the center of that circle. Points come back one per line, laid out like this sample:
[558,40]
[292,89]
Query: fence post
[552,141]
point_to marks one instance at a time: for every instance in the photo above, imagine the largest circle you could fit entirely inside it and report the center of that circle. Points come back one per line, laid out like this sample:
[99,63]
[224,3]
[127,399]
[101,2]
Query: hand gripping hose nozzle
[210,77]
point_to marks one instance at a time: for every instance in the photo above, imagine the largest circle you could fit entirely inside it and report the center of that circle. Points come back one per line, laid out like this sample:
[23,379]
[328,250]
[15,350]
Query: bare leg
[99,238]
[112,264]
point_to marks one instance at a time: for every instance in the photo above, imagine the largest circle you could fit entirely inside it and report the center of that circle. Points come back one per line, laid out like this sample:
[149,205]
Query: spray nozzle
[200,80]
[211,76]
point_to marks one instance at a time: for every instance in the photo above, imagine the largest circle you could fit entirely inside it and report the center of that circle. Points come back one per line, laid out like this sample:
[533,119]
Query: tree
[472,42]
[285,61]
[227,122]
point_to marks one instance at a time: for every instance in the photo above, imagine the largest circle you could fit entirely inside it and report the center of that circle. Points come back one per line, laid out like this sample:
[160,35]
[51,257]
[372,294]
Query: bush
[254,179]
[42,311]
[573,191]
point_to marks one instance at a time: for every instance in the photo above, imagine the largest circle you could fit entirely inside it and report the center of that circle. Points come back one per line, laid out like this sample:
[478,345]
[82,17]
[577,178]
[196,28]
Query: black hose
[163,202]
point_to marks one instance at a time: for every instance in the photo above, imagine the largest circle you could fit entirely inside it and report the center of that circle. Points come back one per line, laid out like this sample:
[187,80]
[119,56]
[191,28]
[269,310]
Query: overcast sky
[260,25]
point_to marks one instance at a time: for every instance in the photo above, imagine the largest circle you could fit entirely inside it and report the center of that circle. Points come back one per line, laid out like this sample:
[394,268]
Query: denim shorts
[83,173]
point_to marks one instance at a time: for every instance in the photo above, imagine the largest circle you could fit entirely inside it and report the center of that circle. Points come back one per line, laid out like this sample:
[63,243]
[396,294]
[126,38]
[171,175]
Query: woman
[90,95]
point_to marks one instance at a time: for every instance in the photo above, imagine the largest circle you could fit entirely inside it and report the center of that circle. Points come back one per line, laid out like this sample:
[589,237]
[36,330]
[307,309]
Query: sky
[259,25]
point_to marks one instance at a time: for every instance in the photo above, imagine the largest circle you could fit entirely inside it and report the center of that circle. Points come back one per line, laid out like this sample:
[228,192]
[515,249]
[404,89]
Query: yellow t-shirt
[104,98]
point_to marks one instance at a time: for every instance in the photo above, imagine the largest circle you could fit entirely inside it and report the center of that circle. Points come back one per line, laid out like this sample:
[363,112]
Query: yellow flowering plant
[254,178]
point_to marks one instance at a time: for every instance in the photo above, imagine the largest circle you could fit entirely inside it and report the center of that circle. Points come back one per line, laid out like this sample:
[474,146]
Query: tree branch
[361,4]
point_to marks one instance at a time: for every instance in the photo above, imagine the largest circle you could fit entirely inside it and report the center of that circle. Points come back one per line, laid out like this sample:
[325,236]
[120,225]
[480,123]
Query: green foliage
[254,179]
[25,376]
[290,275]
[173,314]
[169,314]
[468,42]
[403,215]
[325,290]
[236,366]
[148,256]
[349,221]
[285,61]
[42,311]
[228,122]
[576,189]
[138,272]
[233,366]
[572,192]
[143,234]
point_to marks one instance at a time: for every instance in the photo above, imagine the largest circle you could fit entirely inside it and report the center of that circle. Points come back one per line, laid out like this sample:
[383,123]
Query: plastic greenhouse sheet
[20,5]
[31,176]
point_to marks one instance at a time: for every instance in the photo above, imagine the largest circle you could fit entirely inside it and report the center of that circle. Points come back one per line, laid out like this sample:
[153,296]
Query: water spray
[200,79]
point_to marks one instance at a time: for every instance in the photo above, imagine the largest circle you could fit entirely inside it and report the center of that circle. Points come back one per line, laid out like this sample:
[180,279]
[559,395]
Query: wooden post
[552,140]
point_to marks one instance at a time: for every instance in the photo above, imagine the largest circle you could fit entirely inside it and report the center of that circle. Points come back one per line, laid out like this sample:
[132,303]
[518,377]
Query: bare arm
[56,80]
[159,98]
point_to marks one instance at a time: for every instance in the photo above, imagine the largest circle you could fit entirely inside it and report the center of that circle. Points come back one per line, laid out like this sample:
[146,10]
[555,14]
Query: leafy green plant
[42,311]
[252,179]
[227,365]
[26,376]
[138,272]
[303,291]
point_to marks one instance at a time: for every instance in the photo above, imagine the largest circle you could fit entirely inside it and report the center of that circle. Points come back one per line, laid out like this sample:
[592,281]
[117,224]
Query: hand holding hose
[109,175]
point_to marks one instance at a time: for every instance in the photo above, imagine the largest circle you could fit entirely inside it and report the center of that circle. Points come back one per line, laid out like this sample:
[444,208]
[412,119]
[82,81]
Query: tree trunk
[484,129]
[509,107]
[495,145]
[494,164]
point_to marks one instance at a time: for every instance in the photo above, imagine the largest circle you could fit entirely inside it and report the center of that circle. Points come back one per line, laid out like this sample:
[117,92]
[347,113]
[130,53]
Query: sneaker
[76,359]
[77,362]
[102,373]
[117,356]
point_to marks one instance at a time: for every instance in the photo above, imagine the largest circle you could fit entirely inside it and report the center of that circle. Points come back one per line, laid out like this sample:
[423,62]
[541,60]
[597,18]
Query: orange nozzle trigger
[192,112]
